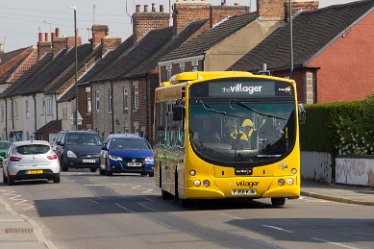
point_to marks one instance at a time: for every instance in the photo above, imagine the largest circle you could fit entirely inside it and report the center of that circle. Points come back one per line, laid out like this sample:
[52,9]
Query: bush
[339,128]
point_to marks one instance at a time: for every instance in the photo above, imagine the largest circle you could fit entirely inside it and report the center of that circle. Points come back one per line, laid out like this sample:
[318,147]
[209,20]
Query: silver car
[31,159]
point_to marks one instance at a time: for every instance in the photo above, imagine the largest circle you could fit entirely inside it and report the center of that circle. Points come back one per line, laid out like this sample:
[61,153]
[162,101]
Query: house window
[182,66]
[88,102]
[194,65]
[27,109]
[136,97]
[49,106]
[65,110]
[16,113]
[2,113]
[97,101]
[168,71]
[125,99]
[110,107]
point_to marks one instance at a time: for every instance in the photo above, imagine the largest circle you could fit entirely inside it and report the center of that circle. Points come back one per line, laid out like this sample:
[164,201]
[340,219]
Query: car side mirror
[59,143]
[302,113]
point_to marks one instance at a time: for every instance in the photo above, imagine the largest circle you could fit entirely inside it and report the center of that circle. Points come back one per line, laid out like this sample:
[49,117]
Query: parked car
[126,153]
[31,159]
[78,149]
[4,147]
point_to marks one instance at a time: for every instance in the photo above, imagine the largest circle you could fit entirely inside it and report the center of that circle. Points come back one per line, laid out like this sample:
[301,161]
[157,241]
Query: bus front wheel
[166,195]
[278,202]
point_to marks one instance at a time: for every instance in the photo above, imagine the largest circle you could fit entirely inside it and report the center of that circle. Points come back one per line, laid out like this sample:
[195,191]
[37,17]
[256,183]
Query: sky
[22,20]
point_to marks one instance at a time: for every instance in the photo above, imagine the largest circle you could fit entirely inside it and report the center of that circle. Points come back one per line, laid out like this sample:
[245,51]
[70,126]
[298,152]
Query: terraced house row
[332,50]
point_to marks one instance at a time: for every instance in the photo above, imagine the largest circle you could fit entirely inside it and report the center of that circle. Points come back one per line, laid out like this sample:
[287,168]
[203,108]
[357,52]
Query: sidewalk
[349,194]
[17,232]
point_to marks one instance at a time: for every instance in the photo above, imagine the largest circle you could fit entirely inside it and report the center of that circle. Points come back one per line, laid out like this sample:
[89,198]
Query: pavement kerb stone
[336,199]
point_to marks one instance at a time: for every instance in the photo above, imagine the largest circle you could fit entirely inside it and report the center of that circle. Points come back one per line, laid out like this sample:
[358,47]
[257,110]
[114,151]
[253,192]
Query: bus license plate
[33,172]
[134,164]
[88,160]
[243,192]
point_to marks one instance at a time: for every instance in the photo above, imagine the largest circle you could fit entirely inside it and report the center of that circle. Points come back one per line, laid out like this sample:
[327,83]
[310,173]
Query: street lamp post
[291,37]
[76,68]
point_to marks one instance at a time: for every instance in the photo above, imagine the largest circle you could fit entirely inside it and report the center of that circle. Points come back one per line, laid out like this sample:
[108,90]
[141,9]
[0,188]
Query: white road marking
[335,243]
[124,208]
[278,228]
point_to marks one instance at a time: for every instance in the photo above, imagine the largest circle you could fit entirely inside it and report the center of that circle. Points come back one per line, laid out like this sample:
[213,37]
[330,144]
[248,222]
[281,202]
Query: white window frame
[136,97]
[97,101]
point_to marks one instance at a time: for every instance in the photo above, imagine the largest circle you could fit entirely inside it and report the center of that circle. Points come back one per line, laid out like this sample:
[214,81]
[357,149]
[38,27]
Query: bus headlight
[289,181]
[192,172]
[281,182]
[293,171]
[196,183]
[206,183]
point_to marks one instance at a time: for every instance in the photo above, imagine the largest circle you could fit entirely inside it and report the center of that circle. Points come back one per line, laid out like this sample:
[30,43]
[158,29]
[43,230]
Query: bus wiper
[208,108]
[252,110]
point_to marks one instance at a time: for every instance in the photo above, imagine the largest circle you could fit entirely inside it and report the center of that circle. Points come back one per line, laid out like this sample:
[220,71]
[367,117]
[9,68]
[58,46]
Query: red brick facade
[185,13]
[145,21]
[346,72]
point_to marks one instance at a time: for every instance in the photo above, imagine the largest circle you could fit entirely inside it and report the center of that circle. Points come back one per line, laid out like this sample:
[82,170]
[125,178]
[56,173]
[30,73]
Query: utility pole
[76,68]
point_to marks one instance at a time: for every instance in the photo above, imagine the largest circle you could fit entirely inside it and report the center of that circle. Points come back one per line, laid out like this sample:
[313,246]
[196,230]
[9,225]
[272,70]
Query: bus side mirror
[302,113]
[178,113]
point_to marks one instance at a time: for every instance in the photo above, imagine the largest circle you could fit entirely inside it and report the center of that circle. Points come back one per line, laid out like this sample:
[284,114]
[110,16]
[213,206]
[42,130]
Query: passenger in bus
[205,133]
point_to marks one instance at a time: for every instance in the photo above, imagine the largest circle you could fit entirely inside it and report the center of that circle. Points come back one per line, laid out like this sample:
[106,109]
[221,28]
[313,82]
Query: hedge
[339,128]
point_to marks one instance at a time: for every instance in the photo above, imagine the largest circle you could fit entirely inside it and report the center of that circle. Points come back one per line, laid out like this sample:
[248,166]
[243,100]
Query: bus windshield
[237,132]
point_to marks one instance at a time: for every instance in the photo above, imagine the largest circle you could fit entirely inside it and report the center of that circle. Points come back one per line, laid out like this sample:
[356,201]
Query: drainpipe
[35,115]
[12,107]
[6,119]
[111,100]
[56,107]
[147,105]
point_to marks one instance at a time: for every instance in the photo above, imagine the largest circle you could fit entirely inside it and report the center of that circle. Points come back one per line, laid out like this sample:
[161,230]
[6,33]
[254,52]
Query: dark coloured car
[126,153]
[78,149]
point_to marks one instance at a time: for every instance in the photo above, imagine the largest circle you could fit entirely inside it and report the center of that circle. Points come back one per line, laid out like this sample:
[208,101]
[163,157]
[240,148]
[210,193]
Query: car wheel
[64,167]
[93,169]
[5,179]
[107,171]
[151,174]
[102,172]
[56,179]
[10,180]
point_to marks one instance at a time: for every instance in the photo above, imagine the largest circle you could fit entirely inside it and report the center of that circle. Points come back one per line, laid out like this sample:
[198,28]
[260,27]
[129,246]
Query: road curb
[336,199]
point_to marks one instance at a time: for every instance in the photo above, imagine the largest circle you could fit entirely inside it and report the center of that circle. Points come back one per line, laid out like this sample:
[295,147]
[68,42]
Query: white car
[31,159]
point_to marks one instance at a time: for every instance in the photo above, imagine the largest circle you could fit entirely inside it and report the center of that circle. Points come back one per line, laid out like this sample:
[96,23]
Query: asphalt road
[88,211]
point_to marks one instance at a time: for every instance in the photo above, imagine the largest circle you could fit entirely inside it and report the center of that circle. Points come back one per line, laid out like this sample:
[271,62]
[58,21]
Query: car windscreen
[129,144]
[32,149]
[86,139]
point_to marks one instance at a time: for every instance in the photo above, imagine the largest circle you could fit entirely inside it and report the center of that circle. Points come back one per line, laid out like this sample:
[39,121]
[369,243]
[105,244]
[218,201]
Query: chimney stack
[98,32]
[143,22]
[187,11]
[44,45]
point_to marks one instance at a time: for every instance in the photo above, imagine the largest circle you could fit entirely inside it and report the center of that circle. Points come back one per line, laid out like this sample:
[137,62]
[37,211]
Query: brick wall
[145,21]
[219,13]
[185,13]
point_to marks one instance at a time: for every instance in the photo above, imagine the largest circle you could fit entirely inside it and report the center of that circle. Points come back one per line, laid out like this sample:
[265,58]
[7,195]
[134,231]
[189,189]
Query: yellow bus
[227,135]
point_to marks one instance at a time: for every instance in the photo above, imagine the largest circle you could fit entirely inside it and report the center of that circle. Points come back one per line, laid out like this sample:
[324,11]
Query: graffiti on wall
[354,171]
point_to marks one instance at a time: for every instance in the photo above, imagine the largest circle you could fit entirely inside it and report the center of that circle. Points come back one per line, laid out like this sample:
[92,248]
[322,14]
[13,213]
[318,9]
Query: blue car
[126,153]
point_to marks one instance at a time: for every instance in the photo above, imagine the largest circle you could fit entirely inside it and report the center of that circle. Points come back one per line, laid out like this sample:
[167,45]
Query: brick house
[332,53]
[228,39]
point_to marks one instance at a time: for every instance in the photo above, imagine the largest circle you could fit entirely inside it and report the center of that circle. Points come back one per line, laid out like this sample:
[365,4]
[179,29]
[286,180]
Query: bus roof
[199,75]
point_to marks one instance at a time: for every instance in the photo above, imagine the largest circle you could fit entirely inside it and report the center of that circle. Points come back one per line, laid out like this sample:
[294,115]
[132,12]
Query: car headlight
[149,160]
[115,158]
[69,153]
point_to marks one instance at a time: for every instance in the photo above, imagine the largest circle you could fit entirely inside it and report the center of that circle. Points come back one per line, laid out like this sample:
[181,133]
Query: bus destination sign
[242,88]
